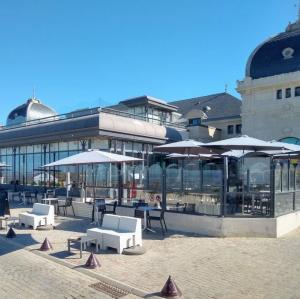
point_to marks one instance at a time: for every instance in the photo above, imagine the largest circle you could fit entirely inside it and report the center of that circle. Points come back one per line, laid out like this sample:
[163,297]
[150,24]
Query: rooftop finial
[33,93]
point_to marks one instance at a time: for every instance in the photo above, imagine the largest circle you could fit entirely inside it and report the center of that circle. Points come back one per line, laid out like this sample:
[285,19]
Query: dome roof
[277,55]
[31,110]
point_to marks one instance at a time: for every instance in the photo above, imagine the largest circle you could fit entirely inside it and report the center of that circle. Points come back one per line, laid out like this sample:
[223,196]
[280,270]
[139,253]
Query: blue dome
[277,55]
[33,109]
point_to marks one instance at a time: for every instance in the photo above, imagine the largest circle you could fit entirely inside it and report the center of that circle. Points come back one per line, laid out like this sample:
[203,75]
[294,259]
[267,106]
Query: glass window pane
[297,174]
[37,148]
[212,174]
[155,173]
[30,149]
[63,146]
[73,145]
[297,91]
[53,147]
[191,175]
[279,94]
[285,176]
[173,173]
[101,144]
[22,149]
[229,129]
[29,175]
[278,177]
[292,176]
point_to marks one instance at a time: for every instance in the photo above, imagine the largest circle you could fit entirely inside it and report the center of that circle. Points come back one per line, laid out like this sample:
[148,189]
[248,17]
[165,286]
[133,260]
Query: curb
[131,290]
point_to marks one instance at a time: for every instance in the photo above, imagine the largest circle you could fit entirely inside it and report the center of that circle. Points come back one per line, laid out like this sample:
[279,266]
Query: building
[271,88]
[212,117]
[35,135]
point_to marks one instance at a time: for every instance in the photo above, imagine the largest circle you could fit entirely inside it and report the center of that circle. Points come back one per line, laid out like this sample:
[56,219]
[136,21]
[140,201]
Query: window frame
[230,129]
[238,131]
[297,91]
[279,94]
[288,93]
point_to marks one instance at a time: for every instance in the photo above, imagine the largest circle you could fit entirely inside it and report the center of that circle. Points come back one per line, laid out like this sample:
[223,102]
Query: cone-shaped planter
[170,289]
[92,262]
[46,245]
[11,233]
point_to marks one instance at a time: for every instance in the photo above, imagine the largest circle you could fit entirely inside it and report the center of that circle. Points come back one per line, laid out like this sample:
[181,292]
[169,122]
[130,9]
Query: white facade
[263,115]
[271,89]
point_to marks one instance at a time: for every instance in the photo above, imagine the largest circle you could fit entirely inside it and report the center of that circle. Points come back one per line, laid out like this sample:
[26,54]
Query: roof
[143,100]
[277,55]
[223,105]
[33,109]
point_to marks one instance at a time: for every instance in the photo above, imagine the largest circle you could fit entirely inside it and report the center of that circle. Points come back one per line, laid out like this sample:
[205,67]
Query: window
[288,92]
[195,122]
[279,94]
[297,91]
[230,130]
[238,129]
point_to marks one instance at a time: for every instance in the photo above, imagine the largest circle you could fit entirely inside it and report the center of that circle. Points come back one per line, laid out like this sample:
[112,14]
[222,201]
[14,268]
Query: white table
[50,201]
[146,209]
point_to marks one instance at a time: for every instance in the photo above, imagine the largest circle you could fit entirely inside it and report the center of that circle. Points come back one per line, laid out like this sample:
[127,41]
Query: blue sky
[80,54]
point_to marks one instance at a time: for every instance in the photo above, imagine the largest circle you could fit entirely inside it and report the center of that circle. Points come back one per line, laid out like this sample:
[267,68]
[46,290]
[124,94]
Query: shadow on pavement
[21,240]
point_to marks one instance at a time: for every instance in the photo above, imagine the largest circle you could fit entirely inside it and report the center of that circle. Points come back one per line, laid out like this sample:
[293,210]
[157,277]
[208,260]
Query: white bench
[41,214]
[118,232]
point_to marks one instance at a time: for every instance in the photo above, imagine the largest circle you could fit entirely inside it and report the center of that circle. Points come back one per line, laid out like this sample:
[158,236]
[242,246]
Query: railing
[87,112]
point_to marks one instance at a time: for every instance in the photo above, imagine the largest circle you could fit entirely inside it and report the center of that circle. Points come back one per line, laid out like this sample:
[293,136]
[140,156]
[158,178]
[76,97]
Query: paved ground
[202,267]
[26,275]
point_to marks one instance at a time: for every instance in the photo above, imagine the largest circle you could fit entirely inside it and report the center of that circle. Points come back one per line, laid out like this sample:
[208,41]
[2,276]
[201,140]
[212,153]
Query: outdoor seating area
[237,177]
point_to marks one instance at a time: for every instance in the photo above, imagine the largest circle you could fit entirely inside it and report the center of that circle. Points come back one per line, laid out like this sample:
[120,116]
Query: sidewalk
[25,275]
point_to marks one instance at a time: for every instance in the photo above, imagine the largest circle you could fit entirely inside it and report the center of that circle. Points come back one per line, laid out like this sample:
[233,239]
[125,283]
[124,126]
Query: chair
[105,211]
[40,215]
[100,208]
[160,218]
[118,232]
[68,203]
[4,204]
[28,197]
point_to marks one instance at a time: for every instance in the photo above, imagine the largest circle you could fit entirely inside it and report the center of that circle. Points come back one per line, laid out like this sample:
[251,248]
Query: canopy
[92,157]
[288,146]
[187,147]
[95,157]
[185,156]
[244,143]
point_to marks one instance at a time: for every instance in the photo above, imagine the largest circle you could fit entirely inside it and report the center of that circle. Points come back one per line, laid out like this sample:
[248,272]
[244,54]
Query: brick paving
[202,267]
[25,275]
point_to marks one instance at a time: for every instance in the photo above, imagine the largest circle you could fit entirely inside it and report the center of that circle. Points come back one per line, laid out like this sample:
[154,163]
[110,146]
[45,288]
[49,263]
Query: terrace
[201,266]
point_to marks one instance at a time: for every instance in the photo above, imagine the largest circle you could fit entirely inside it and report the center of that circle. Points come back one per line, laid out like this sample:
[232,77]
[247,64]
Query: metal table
[146,209]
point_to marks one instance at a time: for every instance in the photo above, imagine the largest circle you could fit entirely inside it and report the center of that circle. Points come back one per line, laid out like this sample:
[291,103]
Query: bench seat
[118,232]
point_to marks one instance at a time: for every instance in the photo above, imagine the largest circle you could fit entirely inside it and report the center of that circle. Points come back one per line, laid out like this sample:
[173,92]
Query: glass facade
[25,161]
[287,186]
[192,186]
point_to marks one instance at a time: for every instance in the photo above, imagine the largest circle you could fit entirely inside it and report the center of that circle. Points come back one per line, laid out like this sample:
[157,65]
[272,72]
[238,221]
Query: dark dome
[277,55]
[33,109]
